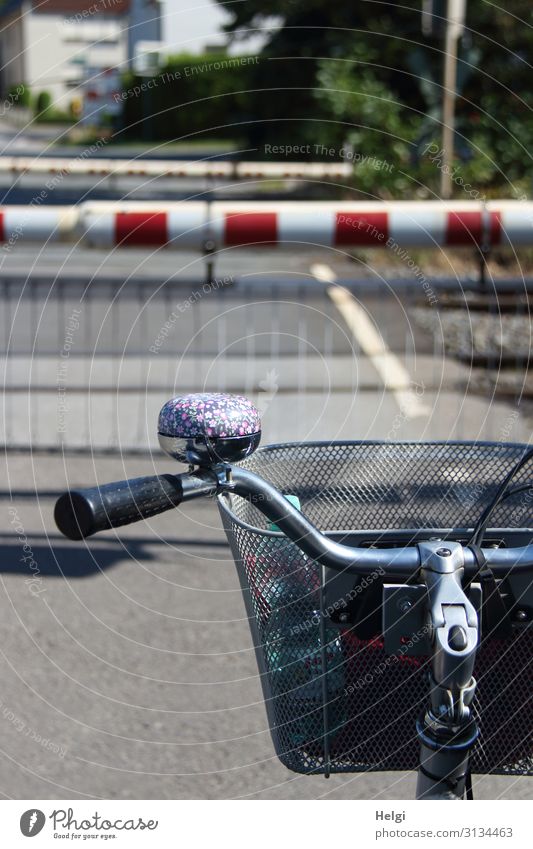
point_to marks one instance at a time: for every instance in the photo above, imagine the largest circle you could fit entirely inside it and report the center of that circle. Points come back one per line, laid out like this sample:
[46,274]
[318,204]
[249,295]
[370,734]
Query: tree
[495,106]
[369,125]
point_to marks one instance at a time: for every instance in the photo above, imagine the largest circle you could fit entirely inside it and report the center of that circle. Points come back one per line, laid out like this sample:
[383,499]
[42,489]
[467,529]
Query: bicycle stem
[447,731]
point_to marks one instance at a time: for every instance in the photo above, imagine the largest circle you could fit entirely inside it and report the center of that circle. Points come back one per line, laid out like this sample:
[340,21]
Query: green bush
[20,95]
[397,149]
[44,102]
[53,116]
[365,123]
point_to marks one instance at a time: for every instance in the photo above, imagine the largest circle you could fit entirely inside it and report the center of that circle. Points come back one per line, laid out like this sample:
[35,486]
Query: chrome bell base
[209,451]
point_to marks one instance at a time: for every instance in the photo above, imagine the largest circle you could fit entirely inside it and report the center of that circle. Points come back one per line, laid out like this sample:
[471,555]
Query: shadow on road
[79,560]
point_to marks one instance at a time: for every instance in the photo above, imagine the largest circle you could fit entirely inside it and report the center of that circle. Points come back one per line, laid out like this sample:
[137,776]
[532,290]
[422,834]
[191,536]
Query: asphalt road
[21,138]
[71,190]
[43,141]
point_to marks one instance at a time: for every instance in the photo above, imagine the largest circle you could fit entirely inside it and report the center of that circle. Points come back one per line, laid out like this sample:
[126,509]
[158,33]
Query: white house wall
[53,42]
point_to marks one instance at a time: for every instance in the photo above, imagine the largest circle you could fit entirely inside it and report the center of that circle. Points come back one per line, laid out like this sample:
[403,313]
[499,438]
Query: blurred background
[323,207]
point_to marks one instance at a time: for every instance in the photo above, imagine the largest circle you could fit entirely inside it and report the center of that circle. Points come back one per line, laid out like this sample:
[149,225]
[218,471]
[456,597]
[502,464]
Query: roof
[75,8]
[69,8]
[7,7]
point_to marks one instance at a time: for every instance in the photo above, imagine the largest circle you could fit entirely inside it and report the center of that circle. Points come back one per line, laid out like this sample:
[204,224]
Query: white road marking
[393,373]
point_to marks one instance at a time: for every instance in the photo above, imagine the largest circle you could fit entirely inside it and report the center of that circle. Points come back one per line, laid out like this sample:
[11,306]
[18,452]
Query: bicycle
[367,632]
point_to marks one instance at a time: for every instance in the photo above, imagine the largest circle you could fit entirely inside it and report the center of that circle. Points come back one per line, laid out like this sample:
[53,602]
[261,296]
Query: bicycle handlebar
[310,540]
[397,562]
[81,513]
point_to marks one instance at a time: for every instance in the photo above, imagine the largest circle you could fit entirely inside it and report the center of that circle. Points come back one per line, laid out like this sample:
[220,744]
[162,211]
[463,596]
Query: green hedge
[20,95]
[198,97]
[191,97]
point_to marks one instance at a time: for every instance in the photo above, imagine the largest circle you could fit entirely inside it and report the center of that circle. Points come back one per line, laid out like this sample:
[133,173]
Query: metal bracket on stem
[447,731]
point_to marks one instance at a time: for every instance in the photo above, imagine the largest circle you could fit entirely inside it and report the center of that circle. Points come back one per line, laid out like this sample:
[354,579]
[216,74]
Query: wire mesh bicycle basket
[336,701]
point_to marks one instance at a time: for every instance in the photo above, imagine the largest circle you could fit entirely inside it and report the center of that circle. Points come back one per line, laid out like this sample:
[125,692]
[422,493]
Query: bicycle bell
[203,429]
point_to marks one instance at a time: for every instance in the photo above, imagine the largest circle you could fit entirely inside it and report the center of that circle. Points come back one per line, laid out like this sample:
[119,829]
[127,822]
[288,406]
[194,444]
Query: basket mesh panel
[372,699]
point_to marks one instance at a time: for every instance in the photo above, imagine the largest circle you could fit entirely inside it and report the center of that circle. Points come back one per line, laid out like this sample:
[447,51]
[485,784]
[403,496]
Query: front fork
[447,731]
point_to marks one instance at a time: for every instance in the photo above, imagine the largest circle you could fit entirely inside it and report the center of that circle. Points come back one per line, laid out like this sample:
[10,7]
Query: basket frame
[520,536]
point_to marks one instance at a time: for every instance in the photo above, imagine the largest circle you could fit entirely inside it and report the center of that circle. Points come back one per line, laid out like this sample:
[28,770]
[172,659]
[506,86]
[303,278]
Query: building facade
[61,46]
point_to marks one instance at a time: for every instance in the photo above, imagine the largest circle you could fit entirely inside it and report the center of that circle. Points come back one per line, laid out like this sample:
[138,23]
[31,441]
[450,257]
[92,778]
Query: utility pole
[455,18]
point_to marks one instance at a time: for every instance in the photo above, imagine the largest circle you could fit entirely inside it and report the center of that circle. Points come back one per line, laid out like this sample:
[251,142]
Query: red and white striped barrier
[194,225]
[180,225]
[38,224]
[227,170]
[226,224]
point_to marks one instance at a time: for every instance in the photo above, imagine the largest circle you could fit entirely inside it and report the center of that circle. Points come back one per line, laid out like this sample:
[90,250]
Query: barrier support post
[209,245]
[483,249]
[208,253]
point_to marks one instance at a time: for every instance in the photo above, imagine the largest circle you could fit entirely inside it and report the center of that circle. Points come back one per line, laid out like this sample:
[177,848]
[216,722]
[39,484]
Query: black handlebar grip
[81,513]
